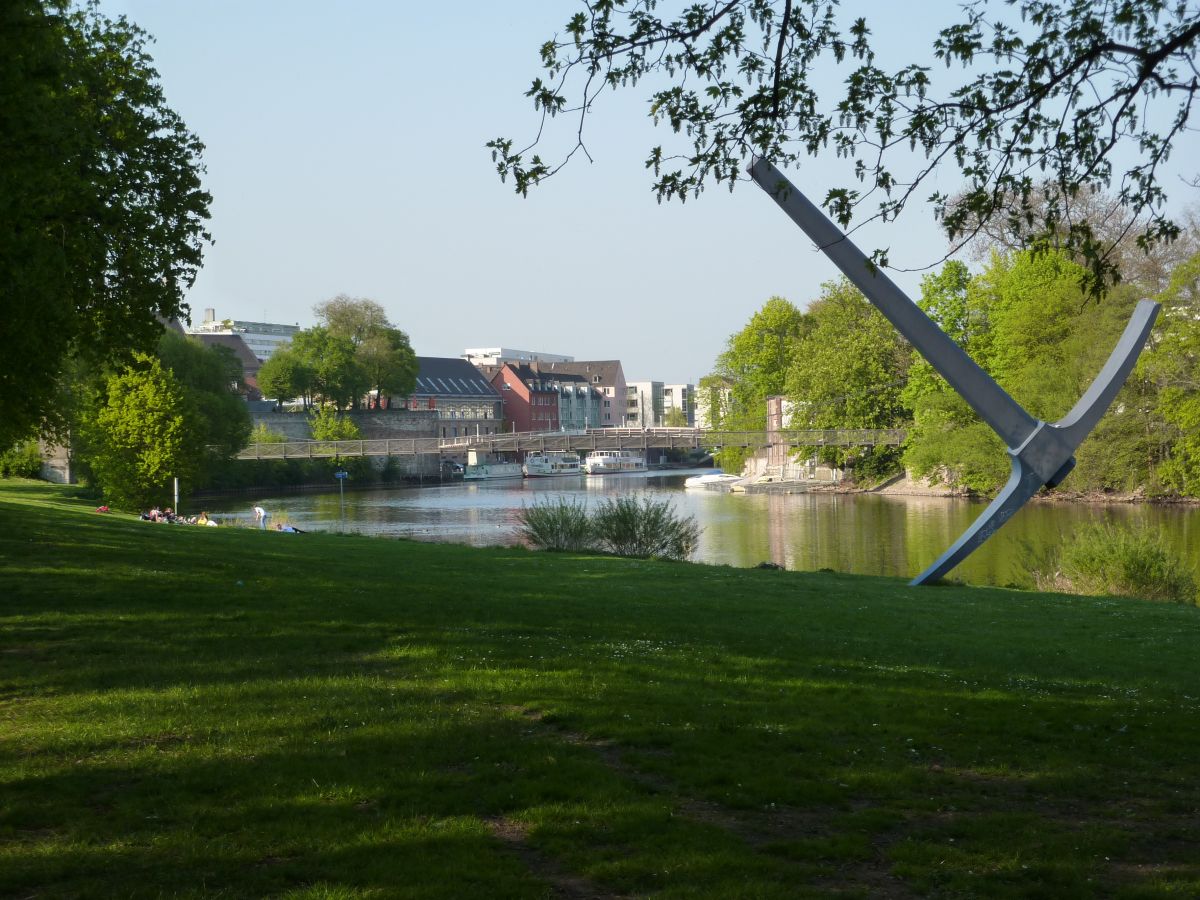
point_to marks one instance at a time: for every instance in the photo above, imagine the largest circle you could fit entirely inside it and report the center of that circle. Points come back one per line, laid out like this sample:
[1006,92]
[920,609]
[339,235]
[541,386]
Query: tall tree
[211,377]
[754,367]
[757,358]
[388,362]
[848,371]
[101,208]
[1029,324]
[337,376]
[1145,266]
[285,376]
[1051,94]
[142,432]
[947,442]
[382,351]
[355,318]
[1173,366]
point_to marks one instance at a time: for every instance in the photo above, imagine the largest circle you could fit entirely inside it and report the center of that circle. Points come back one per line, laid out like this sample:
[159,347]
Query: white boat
[485,466]
[709,480]
[607,462]
[550,463]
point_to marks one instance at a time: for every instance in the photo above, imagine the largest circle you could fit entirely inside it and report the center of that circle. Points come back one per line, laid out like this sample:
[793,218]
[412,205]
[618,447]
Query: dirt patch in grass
[515,837]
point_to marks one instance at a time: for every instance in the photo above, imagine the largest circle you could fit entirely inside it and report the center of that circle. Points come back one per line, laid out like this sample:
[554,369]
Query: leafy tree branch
[1035,103]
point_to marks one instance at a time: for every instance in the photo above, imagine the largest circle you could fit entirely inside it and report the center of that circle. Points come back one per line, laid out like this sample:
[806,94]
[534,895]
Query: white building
[681,397]
[648,402]
[263,338]
[643,404]
[498,356]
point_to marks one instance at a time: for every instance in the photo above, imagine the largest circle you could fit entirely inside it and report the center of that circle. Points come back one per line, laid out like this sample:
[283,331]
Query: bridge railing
[583,441]
[333,449]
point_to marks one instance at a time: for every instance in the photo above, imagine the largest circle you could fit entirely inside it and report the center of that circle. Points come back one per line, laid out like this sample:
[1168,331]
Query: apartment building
[537,400]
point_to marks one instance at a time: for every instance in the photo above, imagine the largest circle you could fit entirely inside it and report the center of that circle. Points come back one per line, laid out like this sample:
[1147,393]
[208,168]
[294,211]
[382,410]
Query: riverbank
[919,487]
[201,711]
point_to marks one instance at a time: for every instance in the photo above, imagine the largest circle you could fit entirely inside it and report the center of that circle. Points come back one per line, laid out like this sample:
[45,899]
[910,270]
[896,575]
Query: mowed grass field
[201,712]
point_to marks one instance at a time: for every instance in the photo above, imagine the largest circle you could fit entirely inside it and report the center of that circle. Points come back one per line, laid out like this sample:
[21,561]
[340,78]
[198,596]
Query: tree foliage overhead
[1030,101]
[101,208]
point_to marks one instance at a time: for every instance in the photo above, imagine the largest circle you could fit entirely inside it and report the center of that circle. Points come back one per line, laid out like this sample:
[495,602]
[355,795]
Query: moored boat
[551,463]
[485,466]
[607,462]
[712,480]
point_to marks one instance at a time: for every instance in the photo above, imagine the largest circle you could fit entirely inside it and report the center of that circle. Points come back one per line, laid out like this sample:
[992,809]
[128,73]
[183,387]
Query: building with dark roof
[466,404]
[605,376]
[537,400]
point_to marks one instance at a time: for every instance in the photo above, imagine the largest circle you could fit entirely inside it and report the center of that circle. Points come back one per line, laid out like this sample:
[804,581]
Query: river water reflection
[859,533]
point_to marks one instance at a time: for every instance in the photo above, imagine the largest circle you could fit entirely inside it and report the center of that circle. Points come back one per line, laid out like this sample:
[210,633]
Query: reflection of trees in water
[863,534]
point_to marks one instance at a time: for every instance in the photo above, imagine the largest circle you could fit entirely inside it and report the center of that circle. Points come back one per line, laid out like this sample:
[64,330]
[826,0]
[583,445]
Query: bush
[1106,559]
[330,425]
[624,527]
[262,434]
[22,460]
[643,528]
[877,464]
[558,525]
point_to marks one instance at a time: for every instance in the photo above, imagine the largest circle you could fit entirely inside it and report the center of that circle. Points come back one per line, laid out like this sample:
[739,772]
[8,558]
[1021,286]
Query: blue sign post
[341,475]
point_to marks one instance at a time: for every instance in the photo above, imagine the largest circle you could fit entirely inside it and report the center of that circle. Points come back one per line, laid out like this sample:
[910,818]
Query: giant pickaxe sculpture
[1040,453]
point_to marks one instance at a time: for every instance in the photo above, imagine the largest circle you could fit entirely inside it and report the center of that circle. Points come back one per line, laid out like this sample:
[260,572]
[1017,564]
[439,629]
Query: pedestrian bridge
[582,441]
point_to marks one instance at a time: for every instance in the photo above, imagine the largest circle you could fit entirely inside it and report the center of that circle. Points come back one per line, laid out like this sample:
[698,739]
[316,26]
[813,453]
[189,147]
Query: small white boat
[486,466]
[715,479]
[607,462]
[551,463]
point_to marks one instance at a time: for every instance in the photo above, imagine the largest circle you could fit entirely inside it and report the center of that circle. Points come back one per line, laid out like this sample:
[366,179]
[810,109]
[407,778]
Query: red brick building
[530,397]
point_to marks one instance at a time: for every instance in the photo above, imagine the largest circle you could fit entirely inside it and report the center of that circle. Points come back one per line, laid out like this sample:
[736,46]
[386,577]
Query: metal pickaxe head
[1040,453]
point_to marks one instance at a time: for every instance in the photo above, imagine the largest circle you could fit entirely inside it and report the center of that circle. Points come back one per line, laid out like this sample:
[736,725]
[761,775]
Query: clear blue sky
[345,154]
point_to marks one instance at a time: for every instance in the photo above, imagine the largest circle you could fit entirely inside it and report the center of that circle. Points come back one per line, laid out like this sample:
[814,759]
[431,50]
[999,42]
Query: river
[860,533]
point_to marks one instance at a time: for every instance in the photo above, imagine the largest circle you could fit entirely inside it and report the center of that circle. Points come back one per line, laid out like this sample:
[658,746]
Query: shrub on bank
[1106,559]
[558,525]
[625,526]
[643,528]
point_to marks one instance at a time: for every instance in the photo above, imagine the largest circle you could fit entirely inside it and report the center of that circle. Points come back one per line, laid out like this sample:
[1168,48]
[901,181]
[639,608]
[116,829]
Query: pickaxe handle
[1007,418]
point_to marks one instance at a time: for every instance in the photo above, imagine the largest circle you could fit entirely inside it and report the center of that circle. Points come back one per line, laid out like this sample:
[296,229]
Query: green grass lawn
[224,712]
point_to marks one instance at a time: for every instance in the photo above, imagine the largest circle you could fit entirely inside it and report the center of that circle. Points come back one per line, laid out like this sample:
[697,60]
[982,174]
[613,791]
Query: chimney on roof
[210,314]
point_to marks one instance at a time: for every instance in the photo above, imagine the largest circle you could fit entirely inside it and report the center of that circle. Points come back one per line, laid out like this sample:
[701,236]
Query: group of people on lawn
[168,515]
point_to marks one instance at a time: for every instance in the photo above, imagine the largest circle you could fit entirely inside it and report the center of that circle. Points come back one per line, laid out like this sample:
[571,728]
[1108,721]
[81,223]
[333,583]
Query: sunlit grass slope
[220,712]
